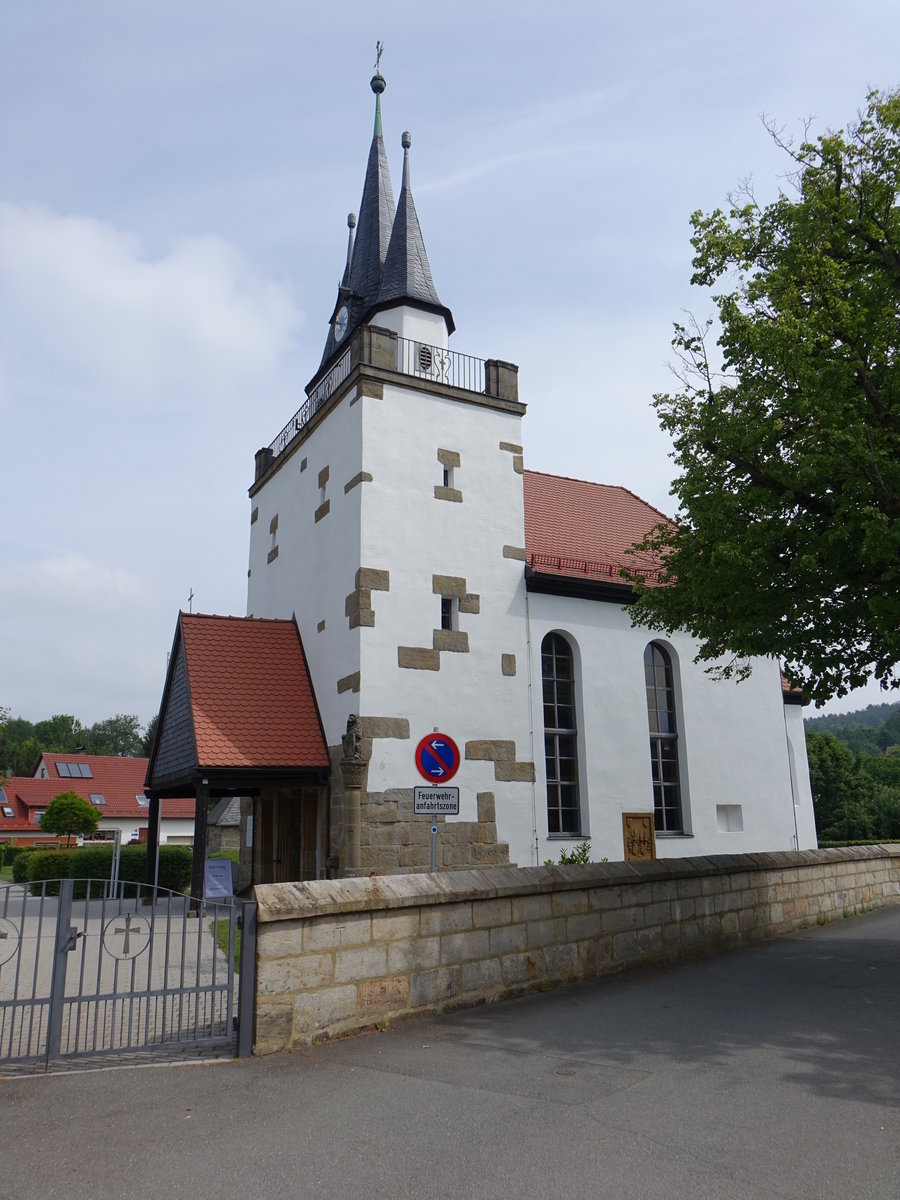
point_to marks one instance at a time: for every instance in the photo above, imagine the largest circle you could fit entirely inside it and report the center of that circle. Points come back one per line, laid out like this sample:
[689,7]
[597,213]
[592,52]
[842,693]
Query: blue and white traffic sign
[437,757]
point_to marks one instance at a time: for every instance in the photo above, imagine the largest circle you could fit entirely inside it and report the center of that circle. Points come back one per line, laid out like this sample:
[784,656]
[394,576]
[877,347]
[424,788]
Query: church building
[434,585]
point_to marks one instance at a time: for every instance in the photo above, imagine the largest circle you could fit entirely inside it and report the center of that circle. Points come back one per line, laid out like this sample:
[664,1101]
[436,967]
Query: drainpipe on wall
[535,848]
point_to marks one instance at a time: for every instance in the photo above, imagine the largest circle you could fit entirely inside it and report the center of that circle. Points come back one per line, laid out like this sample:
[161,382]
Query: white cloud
[66,586]
[196,320]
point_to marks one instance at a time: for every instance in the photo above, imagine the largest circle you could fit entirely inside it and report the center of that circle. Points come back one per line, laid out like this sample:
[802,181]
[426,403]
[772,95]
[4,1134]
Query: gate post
[64,942]
[198,869]
[247,982]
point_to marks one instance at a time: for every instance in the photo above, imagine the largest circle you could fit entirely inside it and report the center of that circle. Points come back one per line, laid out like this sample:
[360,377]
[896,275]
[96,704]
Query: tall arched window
[663,740]
[560,736]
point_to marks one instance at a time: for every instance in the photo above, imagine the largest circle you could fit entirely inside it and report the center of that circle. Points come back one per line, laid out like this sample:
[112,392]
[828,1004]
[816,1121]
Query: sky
[174,185]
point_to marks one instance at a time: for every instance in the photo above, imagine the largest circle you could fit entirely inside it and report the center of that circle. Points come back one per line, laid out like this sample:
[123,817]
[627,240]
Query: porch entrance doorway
[290,845]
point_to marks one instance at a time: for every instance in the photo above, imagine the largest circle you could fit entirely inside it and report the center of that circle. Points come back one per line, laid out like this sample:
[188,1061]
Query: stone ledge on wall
[334,956]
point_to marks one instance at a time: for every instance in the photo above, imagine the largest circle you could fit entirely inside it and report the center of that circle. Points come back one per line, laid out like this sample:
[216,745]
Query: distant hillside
[873,716]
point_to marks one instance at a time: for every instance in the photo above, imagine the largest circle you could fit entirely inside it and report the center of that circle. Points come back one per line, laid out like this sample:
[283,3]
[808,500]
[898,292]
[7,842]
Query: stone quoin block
[453,640]
[454,495]
[358,478]
[416,658]
[448,585]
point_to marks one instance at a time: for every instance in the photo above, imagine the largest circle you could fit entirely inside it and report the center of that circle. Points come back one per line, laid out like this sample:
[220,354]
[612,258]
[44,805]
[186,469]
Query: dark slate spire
[376,214]
[407,275]
[362,276]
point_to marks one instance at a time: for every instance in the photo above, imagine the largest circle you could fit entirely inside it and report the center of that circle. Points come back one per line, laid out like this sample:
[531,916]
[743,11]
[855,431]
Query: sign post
[437,761]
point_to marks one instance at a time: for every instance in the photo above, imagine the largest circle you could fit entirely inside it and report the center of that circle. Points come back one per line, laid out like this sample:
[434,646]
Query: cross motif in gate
[126,929]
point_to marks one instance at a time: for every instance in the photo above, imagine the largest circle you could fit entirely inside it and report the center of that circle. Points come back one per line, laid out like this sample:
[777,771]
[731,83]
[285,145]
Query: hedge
[9,852]
[95,862]
[20,864]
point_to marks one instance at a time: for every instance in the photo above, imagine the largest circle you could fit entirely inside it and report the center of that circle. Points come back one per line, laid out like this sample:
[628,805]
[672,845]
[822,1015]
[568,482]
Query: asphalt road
[768,1073]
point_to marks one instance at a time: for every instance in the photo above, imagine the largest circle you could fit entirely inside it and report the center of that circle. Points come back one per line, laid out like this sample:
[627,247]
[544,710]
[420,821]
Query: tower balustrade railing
[418,359]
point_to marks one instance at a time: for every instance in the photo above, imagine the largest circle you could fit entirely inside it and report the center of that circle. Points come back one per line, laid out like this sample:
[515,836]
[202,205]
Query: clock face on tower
[340,323]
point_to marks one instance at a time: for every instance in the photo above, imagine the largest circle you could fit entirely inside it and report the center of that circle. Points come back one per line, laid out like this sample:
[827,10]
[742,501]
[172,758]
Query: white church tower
[388,517]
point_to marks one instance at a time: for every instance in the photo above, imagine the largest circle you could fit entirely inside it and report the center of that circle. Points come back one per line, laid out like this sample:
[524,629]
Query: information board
[218,878]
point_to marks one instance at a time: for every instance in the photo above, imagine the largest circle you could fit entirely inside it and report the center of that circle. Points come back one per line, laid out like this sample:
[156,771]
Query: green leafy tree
[119,735]
[150,736]
[842,793]
[61,732]
[69,814]
[788,535]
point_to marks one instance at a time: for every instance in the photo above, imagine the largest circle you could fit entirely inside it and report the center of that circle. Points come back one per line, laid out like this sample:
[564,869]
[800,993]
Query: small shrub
[570,858]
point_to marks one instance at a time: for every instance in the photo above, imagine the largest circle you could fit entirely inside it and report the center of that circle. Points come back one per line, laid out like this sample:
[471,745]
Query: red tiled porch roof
[251,694]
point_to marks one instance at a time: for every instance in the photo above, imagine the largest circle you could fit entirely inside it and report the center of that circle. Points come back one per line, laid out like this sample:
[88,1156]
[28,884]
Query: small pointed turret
[407,275]
[351,225]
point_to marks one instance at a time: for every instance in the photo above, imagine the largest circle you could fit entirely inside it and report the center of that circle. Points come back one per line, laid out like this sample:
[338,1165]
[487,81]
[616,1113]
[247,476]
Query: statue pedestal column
[353,772]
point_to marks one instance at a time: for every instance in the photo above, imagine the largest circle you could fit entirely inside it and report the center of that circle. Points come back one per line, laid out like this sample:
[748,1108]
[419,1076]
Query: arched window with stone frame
[560,737]
[662,715]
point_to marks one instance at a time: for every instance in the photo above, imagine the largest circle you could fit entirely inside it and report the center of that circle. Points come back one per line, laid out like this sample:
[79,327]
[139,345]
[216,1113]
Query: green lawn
[221,931]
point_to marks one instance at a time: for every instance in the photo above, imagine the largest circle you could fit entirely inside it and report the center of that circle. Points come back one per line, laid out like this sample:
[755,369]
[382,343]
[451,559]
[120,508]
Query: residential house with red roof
[114,786]
[409,579]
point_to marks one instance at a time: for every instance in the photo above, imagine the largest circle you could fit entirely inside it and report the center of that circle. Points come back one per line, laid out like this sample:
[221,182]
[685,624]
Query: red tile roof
[251,695]
[119,780]
[583,530]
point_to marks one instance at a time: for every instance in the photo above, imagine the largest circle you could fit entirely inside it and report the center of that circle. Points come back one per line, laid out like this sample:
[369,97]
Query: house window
[560,736]
[98,799]
[449,611]
[142,800]
[663,740]
[37,816]
[7,810]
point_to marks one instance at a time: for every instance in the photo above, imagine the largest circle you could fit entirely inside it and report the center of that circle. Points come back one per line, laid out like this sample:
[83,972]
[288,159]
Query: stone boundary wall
[335,956]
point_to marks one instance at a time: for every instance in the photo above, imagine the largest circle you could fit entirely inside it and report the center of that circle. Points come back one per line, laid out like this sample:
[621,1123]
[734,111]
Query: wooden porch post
[198,870]
[152,839]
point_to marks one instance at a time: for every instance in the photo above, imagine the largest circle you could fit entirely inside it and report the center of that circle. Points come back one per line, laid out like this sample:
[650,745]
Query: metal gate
[87,969]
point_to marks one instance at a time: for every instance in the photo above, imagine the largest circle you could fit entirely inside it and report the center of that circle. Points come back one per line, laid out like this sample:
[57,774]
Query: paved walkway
[768,1073]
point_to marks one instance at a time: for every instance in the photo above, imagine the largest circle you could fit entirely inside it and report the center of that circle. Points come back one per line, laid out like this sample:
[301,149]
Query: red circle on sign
[437,758]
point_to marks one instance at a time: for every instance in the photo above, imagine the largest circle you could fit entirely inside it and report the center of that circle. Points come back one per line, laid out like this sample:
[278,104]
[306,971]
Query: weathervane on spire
[379,50]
